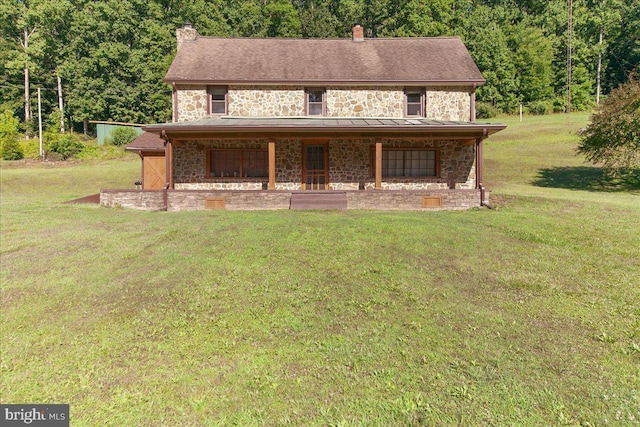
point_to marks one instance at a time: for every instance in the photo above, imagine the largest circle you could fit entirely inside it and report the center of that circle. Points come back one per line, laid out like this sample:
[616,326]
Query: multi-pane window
[238,163]
[409,163]
[315,101]
[217,99]
[414,100]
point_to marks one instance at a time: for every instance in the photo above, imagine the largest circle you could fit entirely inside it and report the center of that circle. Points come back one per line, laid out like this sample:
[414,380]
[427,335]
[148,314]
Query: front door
[315,166]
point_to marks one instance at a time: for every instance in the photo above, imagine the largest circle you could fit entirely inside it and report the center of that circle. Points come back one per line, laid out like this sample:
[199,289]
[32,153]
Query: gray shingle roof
[420,61]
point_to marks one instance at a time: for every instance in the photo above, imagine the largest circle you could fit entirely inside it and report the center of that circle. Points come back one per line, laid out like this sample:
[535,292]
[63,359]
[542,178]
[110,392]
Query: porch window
[315,101]
[238,163]
[406,163]
[217,99]
[414,102]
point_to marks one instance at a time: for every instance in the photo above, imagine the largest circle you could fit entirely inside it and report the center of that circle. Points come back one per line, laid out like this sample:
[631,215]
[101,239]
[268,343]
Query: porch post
[272,165]
[378,165]
[480,168]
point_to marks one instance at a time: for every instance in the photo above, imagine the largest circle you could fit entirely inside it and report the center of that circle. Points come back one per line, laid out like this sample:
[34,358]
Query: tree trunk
[85,126]
[599,69]
[27,101]
[60,104]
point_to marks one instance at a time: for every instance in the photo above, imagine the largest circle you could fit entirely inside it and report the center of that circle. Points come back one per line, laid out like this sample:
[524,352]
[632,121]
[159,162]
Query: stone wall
[146,200]
[443,103]
[365,102]
[192,200]
[350,165]
[192,102]
[448,103]
[270,101]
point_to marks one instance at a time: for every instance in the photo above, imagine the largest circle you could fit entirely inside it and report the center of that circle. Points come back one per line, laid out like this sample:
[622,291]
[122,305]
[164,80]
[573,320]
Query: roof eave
[469,82]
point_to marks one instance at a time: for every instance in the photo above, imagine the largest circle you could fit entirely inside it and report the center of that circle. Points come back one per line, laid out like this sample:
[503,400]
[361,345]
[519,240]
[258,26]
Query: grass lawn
[528,314]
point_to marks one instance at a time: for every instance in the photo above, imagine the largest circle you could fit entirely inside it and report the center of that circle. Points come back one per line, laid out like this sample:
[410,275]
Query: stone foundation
[192,200]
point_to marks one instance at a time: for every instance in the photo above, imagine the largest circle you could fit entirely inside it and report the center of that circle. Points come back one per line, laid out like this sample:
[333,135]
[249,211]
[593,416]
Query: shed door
[154,173]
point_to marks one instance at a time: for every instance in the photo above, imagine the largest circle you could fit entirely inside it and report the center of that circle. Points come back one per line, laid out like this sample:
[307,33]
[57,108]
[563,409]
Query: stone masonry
[192,200]
[447,103]
[350,165]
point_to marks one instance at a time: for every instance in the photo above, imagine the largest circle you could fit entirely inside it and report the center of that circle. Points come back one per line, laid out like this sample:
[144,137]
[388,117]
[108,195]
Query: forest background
[105,60]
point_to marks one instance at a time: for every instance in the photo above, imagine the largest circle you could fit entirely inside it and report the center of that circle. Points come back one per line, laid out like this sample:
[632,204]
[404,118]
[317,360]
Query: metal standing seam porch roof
[361,126]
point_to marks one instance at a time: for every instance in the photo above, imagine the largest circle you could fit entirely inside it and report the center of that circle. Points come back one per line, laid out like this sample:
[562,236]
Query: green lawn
[525,315]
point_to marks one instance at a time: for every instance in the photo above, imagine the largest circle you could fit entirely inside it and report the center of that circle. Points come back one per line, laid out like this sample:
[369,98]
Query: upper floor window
[414,102]
[315,101]
[217,99]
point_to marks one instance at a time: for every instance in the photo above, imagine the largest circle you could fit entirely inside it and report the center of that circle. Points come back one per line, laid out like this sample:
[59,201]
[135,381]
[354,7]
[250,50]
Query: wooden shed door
[155,175]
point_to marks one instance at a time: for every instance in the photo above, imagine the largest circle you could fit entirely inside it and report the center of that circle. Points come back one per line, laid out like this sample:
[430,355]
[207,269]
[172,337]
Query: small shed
[150,148]
[104,130]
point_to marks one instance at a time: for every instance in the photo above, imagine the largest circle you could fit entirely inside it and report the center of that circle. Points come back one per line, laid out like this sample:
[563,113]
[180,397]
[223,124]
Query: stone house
[360,123]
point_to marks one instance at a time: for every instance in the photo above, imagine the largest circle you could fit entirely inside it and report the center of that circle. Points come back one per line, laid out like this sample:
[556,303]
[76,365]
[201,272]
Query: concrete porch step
[318,200]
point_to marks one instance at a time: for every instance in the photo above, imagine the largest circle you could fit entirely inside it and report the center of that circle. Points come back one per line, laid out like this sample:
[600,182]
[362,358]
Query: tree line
[105,60]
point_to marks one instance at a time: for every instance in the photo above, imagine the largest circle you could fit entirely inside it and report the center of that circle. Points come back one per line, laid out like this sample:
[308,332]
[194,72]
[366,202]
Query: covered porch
[265,163]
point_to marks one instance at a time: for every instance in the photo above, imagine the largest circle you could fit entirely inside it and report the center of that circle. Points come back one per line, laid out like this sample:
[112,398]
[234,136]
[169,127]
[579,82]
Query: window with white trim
[315,101]
[414,102]
[217,100]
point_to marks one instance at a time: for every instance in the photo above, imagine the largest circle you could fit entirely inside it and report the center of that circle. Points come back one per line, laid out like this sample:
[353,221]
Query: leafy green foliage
[123,135]
[9,147]
[484,110]
[540,107]
[112,54]
[613,137]
[66,146]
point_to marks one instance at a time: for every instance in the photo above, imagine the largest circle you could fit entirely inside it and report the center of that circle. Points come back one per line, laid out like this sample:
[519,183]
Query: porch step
[318,200]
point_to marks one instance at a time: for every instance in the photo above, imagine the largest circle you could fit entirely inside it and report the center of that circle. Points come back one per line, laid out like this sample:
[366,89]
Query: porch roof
[323,126]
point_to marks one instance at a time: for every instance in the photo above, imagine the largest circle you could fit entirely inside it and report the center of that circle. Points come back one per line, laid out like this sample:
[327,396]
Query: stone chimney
[358,33]
[186,34]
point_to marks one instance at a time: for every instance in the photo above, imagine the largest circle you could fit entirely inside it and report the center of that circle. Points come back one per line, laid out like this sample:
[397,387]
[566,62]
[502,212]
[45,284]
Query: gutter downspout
[167,157]
[174,101]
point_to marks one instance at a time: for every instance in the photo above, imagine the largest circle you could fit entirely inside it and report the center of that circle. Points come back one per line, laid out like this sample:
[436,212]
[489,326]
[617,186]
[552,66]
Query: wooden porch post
[480,168]
[378,165]
[272,165]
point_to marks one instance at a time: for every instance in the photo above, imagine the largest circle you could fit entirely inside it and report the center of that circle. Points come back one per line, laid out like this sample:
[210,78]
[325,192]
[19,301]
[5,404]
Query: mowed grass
[528,314]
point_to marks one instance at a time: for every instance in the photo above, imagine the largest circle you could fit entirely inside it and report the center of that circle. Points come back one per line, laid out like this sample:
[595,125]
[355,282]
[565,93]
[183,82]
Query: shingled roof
[405,61]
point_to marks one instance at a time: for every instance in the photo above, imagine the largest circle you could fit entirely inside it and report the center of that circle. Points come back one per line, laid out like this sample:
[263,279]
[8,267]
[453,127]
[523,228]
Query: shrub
[484,110]
[66,146]
[612,139]
[540,108]
[31,148]
[11,149]
[123,135]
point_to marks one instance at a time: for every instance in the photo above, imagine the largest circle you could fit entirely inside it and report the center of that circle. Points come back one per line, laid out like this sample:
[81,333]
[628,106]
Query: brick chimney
[358,33]
[186,34]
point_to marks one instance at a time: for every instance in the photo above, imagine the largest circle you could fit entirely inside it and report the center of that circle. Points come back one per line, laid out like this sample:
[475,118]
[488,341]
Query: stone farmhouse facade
[328,123]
